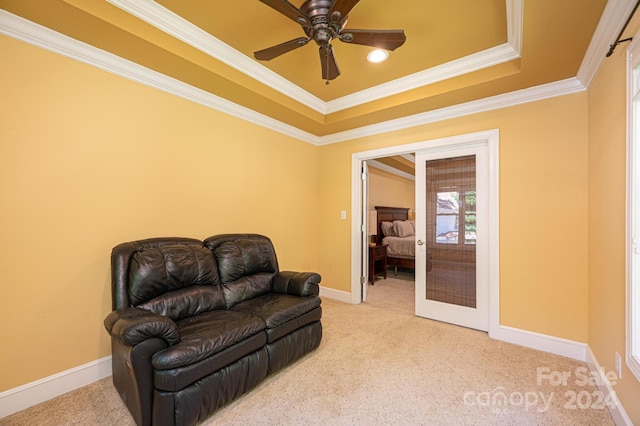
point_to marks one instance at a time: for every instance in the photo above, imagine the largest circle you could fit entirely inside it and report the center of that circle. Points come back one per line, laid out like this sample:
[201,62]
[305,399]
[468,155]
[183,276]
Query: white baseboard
[570,349]
[618,413]
[541,342]
[30,394]
[342,296]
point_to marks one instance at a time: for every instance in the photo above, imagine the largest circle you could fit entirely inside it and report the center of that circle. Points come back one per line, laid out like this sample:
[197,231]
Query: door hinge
[361,280]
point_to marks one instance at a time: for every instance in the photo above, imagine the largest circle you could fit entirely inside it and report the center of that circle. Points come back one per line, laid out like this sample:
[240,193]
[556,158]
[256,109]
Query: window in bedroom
[633,212]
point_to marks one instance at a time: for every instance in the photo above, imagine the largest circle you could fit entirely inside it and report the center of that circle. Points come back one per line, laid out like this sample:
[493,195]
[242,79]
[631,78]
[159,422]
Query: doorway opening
[391,202]
[459,277]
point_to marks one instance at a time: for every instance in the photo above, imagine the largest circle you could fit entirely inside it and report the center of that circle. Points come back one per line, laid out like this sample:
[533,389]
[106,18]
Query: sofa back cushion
[247,264]
[177,280]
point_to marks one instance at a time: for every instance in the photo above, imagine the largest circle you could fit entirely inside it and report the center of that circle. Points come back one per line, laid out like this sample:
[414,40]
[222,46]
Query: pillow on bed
[387,229]
[403,228]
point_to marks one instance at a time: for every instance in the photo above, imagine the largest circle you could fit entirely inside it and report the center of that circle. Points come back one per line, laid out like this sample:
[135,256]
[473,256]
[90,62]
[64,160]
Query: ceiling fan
[323,21]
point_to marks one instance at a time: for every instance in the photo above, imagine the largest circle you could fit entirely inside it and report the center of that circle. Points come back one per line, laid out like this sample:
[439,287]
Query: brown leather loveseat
[198,323]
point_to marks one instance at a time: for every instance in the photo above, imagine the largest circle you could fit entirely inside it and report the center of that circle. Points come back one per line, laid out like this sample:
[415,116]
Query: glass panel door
[451,230]
[452,236]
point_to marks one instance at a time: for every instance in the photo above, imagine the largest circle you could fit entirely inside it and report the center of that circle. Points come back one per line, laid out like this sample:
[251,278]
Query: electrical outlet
[618,365]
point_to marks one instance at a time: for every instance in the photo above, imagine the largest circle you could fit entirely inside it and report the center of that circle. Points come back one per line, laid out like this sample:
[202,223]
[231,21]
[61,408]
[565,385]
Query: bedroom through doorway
[391,201]
[454,284]
[451,233]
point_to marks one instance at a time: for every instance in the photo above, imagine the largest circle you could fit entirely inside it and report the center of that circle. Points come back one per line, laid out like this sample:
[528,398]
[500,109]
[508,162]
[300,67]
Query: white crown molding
[611,22]
[409,157]
[515,24]
[30,32]
[162,18]
[474,62]
[545,91]
[176,26]
[378,165]
[24,30]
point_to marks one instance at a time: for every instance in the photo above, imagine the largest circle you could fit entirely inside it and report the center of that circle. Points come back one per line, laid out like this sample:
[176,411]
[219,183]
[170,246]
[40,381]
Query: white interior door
[452,240]
[364,237]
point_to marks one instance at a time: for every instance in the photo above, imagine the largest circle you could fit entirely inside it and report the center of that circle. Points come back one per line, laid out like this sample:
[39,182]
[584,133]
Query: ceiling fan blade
[341,9]
[288,10]
[328,63]
[277,50]
[383,39]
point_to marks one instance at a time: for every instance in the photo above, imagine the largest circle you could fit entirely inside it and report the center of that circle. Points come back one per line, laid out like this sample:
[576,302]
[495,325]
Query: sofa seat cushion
[282,313]
[206,334]
[179,378]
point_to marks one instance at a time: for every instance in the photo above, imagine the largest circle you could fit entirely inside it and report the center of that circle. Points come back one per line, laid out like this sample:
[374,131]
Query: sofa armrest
[297,283]
[131,326]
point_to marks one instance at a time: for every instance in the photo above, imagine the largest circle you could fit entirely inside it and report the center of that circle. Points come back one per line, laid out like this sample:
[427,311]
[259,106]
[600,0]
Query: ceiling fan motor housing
[321,30]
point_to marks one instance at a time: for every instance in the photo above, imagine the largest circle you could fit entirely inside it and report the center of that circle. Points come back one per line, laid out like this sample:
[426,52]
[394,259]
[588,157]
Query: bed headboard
[389,214]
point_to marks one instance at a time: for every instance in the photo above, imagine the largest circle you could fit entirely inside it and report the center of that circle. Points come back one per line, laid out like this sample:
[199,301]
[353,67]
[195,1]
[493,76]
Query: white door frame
[492,139]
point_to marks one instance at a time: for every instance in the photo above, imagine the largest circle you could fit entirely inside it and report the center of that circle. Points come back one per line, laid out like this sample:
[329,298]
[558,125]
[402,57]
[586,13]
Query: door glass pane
[470,217]
[447,215]
[451,230]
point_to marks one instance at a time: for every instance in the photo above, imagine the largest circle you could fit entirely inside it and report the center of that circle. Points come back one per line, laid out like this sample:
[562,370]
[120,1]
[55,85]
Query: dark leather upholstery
[297,283]
[247,265]
[131,326]
[120,259]
[178,378]
[207,334]
[281,310]
[196,324]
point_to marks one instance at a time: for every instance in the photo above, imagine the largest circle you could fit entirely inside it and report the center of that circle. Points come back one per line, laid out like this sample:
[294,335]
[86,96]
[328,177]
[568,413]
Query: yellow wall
[543,209]
[387,189]
[607,197]
[88,160]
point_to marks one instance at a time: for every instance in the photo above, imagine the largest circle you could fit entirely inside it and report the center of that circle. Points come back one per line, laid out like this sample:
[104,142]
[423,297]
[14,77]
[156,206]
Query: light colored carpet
[377,366]
[444,284]
[395,293]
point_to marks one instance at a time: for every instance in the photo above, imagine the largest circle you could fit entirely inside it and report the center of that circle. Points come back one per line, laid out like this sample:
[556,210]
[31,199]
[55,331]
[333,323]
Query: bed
[400,249]
[401,246]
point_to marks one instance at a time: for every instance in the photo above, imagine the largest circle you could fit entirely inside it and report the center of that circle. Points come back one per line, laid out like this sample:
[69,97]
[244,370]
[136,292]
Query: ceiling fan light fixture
[323,21]
[377,56]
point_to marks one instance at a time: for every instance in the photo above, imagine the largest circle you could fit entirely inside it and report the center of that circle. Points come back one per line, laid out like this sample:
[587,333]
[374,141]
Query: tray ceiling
[456,51]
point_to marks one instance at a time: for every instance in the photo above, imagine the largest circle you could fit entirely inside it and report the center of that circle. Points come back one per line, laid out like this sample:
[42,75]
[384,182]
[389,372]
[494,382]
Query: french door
[452,271]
